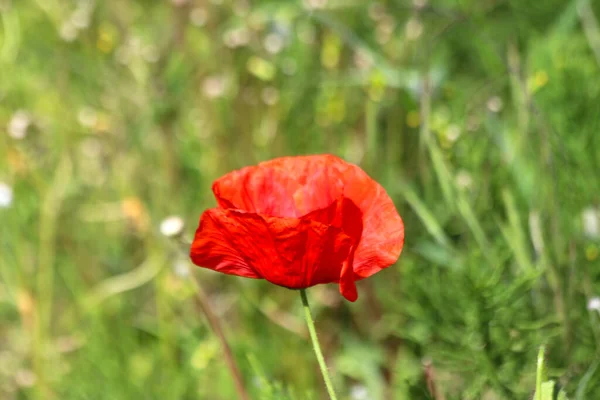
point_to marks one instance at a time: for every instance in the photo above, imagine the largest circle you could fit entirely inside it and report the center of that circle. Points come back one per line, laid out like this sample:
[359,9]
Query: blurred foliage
[480,117]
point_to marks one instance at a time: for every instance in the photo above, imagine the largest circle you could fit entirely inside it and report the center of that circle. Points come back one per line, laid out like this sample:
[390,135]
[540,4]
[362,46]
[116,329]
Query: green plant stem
[316,345]
[540,373]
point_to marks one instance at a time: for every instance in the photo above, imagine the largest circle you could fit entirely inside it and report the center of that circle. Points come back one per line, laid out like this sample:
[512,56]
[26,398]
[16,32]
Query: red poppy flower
[299,222]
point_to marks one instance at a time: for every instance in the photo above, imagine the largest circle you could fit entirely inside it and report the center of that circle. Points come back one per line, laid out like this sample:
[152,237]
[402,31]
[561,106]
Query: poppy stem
[316,345]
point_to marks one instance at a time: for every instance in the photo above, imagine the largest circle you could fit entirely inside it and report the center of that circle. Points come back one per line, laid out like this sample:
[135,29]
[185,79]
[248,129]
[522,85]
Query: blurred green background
[480,117]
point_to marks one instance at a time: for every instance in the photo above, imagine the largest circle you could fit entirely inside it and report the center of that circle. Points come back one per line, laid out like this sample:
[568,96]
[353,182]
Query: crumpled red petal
[291,252]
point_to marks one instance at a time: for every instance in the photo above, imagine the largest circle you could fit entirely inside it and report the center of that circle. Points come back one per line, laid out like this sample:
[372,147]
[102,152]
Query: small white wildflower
[355,151]
[6,195]
[25,378]
[270,96]
[87,117]
[362,59]
[257,381]
[453,133]
[238,37]
[494,104]
[171,226]
[413,29]
[68,32]
[241,8]
[419,4]
[315,4]
[384,30]
[591,222]
[18,124]
[81,18]
[359,392]
[150,54]
[135,45]
[464,180]
[273,43]
[91,148]
[213,87]
[181,268]
[199,16]
[594,304]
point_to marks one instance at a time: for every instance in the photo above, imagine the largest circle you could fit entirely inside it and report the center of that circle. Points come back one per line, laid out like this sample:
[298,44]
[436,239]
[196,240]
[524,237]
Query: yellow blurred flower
[330,52]
[134,211]
[17,161]
[261,68]
[537,81]
[106,38]
[26,307]
[541,78]
[591,252]
[413,119]
[102,123]
[377,86]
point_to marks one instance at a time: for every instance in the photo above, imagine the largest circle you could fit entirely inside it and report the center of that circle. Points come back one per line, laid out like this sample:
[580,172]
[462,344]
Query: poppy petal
[347,279]
[216,245]
[258,189]
[344,214]
[283,187]
[291,252]
[383,230]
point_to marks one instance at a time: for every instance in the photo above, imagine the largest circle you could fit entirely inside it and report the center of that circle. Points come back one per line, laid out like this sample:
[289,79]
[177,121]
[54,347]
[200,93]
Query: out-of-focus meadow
[480,117]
